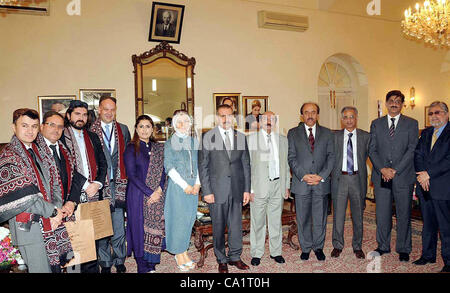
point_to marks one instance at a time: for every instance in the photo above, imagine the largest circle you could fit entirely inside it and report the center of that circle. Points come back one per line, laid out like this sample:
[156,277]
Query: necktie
[350,167]
[107,134]
[55,156]
[272,165]
[311,139]
[227,144]
[392,128]
[434,138]
[33,156]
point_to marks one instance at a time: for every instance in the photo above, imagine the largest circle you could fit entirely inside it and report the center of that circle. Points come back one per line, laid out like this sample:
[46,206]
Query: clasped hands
[65,211]
[312,179]
[388,174]
[92,189]
[424,179]
[194,190]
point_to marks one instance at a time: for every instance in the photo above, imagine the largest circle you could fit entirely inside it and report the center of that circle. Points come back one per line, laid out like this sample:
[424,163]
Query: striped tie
[311,139]
[392,128]
[350,167]
[434,138]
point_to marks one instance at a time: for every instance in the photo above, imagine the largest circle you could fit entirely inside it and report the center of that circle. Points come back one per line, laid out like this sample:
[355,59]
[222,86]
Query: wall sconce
[412,97]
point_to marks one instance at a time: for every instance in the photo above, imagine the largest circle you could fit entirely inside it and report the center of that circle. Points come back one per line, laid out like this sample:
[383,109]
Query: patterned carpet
[346,263]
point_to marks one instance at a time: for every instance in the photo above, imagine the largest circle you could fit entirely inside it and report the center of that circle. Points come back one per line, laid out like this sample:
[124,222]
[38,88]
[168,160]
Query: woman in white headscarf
[180,163]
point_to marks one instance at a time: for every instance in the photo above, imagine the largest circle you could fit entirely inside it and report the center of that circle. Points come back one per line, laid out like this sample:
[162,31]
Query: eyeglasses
[435,112]
[54,125]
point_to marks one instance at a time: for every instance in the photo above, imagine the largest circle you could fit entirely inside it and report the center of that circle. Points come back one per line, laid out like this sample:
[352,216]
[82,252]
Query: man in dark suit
[114,137]
[51,130]
[89,160]
[349,180]
[432,163]
[224,169]
[393,141]
[311,158]
[165,28]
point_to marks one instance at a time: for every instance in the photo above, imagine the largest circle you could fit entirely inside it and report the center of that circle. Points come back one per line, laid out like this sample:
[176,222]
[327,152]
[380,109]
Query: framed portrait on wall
[92,97]
[427,118]
[253,106]
[232,99]
[166,22]
[55,103]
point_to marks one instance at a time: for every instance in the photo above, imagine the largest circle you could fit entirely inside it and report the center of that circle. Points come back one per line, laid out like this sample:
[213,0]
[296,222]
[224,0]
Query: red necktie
[311,139]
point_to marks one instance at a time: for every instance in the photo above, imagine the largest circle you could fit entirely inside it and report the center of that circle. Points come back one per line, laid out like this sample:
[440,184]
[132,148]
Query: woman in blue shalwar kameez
[180,163]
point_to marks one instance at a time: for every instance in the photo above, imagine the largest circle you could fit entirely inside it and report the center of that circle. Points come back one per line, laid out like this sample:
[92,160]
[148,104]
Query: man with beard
[114,137]
[31,199]
[393,141]
[432,163]
[90,162]
[311,158]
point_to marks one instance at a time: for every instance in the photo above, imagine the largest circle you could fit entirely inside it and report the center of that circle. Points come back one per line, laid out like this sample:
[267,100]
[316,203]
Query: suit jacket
[219,174]
[78,179]
[395,152]
[260,165]
[170,32]
[303,161]
[436,162]
[362,141]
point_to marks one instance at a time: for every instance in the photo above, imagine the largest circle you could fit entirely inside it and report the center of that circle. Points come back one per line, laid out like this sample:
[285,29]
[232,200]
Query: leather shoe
[239,264]
[403,256]
[445,269]
[120,269]
[223,268]
[336,252]
[106,270]
[423,261]
[304,256]
[255,261]
[359,254]
[278,259]
[381,252]
[319,254]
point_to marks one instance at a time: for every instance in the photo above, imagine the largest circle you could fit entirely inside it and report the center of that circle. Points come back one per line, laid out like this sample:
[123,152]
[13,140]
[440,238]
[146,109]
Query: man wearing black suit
[224,169]
[51,129]
[311,158]
[432,163]
[393,141]
[166,28]
[349,181]
[90,162]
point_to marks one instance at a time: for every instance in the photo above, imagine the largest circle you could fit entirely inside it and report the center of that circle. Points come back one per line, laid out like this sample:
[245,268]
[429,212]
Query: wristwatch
[55,213]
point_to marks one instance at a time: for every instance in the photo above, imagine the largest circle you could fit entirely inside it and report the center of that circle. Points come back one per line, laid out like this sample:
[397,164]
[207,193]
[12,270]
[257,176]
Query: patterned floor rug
[346,263]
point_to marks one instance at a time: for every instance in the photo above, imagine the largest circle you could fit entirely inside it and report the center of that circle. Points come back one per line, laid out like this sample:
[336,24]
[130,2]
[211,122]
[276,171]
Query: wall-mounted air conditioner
[282,21]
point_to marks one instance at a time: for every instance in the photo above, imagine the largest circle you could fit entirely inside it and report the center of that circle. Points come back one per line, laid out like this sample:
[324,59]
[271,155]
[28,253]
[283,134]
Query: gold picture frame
[58,103]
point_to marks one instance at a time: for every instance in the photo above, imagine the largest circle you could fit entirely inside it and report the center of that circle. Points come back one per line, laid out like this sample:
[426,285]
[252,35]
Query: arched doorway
[342,82]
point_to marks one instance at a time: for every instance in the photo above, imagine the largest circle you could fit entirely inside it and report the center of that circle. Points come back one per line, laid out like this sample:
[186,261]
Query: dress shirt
[49,143]
[440,130]
[111,133]
[230,135]
[275,151]
[395,122]
[313,130]
[354,144]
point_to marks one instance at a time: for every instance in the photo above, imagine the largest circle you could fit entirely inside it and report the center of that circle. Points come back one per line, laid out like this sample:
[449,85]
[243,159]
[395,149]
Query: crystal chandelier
[429,22]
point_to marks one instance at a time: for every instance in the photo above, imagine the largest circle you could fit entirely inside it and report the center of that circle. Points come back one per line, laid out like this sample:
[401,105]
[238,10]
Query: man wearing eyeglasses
[432,163]
[51,130]
[393,141]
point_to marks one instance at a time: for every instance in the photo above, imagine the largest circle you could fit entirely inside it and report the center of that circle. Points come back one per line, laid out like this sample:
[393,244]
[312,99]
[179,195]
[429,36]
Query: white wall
[59,54]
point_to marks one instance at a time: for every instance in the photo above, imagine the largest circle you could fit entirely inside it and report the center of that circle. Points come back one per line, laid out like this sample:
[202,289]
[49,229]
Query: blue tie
[350,154]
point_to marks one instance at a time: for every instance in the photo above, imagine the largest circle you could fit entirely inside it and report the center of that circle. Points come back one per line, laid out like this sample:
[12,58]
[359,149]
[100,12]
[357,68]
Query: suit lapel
[302,134]
[444,133]
[360,148]
[340,148]
[218,135]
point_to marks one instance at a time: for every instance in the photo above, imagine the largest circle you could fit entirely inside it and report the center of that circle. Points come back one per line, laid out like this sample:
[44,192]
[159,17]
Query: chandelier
[429,23]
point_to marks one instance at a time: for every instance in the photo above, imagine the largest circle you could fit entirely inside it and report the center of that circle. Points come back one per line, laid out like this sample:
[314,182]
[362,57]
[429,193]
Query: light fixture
[412,97]
[429,23]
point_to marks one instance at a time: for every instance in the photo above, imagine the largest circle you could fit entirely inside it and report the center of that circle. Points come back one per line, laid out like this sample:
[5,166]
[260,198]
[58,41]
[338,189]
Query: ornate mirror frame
[163,50]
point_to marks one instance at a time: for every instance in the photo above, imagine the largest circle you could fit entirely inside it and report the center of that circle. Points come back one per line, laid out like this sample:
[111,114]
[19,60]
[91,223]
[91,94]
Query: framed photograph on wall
[92,97]
[55,103]
[427,118]
[253,106]
[166,22]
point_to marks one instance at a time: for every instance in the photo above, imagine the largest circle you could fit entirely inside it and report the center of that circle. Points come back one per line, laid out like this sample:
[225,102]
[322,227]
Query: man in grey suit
[114,137]
[224,169]
[270,186]
[311,158]
[393,140]
[349,180]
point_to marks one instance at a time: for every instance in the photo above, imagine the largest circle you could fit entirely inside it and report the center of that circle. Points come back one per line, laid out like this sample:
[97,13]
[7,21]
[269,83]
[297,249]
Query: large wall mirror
[164,82]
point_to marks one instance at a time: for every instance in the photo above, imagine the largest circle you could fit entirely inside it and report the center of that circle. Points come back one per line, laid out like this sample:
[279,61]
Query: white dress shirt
[395,122]
[49,143]
[110,133]
[230,135]
[313,130]
[354,144]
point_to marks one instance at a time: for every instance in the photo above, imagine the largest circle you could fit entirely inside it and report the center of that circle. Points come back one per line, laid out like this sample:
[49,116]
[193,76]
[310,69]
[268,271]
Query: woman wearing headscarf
[180,163]
[144,164]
